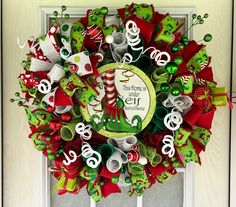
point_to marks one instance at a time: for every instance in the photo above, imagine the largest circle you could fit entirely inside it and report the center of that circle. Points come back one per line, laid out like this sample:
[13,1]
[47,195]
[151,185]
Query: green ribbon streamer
[157,122]
[150,153]
[39,117]
[106,151]
[202,135]
[94,189]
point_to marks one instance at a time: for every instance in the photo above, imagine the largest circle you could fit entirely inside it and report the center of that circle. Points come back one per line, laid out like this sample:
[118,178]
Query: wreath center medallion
[126,101]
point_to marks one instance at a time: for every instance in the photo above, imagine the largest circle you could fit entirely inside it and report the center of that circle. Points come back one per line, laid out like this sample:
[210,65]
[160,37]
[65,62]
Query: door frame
[232,137]
[76,12]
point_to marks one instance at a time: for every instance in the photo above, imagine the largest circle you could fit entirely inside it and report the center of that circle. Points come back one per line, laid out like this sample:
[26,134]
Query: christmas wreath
[119,99]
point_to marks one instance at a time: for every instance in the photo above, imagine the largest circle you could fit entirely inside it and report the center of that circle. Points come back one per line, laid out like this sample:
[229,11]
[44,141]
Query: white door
[25,183]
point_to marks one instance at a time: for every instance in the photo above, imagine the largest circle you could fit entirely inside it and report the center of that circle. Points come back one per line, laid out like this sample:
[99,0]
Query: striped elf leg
[110,88]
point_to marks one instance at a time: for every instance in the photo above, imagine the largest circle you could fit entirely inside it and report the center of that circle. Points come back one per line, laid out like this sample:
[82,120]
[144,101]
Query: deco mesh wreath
[119,99]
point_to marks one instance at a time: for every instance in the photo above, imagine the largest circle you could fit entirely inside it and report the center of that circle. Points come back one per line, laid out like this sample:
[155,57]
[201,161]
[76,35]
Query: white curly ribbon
[44,86]
[180,102]
[168,148]
[84,131]
[174,119]
[115,162]
[133,39]
[70,158]
[125,143]
[92,156]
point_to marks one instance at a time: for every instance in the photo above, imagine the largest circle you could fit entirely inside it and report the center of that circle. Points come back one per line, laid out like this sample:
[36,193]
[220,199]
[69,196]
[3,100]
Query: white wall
[22,162]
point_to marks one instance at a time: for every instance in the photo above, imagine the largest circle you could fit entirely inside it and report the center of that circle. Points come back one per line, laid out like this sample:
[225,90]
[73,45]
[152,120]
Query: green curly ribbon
[150,153]
[158,77]
[135,168]
[157,122]
[106,151]
[67,131]
[75,111]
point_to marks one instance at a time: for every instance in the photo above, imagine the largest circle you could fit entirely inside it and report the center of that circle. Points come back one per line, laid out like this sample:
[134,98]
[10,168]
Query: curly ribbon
[173,120]
[180,102]
[135,168]
[93,158]
[115,162]
[150,153]
[168,148]
[125,143]
[158,77]
[106,151]
[157,122]
[67,131]
[118,46]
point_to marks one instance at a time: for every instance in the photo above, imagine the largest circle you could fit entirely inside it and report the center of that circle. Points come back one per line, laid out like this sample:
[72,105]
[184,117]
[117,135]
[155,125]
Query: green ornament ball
[165,87]
[63,8]
[20,103]
[104,10]
[12,100]
[175,48]
[181,47]
[67,16]
[17,94]
[127,180]
[178,60]
[201,21]
[55,13]
[207,38]
[206,15]
[194,16]
[171,67]
[115,179]
[175,91]
[199,17]
[51,157]
[54,21]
